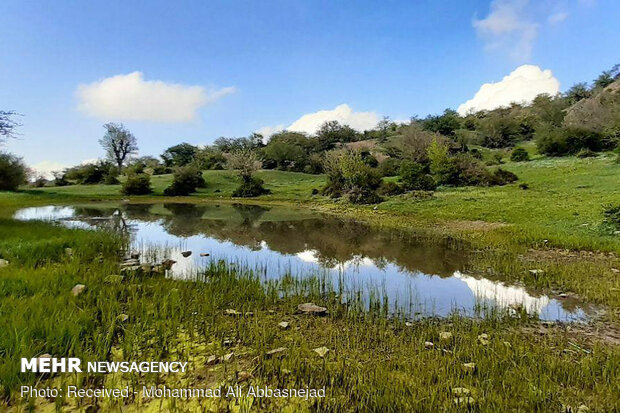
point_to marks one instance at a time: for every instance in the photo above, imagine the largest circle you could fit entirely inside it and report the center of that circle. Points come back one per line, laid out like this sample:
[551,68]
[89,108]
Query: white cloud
[310,122]
[130,97]
[267,131]
[508,26]
[522,85]
[558,17]
[46,168]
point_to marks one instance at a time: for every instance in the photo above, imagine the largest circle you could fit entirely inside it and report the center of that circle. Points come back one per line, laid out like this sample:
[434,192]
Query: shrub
[390,189]
[360,195]
[110,179]
[519,155]
[554,141]
[139,184]
[12,172]
[251,187]
[502,177]
[389,167]
[185,181]
[414,177]
[39,182]
[88,174]
[348,173]
[585,153]
[60,179]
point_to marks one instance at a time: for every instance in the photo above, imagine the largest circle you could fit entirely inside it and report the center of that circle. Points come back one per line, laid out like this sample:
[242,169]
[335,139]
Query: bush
[502,177]
[139,184]
[89,174]
[390,189]
[60,179]
[519,155]
[414,177]
[111,180]
[250,188]
[185,181]
[586,153]
[389,167]
[360,195]
[348,173]
[568,141]
[12,172]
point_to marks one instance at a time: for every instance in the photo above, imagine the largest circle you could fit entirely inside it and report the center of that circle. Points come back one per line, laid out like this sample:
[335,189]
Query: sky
[192,71]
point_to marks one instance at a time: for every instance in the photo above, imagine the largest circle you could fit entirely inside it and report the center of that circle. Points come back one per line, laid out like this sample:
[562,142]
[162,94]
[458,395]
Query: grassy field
[374,363]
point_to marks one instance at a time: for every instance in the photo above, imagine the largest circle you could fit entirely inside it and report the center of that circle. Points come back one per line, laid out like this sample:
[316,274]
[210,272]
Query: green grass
[375,363]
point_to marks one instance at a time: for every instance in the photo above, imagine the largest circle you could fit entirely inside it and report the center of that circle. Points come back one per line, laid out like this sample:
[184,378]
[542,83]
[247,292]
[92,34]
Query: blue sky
[229,68]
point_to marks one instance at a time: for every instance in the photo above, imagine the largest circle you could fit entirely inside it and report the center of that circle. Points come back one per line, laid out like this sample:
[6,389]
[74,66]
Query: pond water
[420,278]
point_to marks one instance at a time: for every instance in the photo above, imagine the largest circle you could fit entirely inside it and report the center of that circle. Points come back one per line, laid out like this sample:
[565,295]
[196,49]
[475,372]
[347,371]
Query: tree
[332,132]
[179,155]
[246,162]
[13,172]
[7,124]
[578,92]
[445,124]
[118,143]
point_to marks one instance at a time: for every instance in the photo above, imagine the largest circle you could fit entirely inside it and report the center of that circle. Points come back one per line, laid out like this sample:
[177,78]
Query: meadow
[375,362]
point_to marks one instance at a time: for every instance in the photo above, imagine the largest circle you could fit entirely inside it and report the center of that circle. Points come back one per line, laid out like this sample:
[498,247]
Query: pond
[419,277]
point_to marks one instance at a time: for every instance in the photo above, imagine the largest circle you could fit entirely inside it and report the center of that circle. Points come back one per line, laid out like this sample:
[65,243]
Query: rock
[186,253]
[3,263]
[227,343]
[408,324]
[135,255]
[158,269]
[228,357]
[168,263]
[467,400]
[321,351]
[563,295]
[244,376]
[536,273]
[114,279]
[283,325]
[69,252]
[469,367]
[130,263]
[428,345]
[483,339]
[131,269]
[445,336]
[460,391]
[78,289]
[212,360]
[123,317]
[275,352]
[204,254]
[147,268]
[232,312]
[617,271]
[311,308]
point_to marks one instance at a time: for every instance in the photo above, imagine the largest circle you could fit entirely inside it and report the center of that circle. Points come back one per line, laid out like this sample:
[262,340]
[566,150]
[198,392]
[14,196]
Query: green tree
[179,155]
[577,92]
[446,123]
[332,132]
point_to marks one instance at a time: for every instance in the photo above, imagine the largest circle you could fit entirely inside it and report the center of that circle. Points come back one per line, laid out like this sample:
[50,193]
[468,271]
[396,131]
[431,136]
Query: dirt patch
[601,332]
[475,225]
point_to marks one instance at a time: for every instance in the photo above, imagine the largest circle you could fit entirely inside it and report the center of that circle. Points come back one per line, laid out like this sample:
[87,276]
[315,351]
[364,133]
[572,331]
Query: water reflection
[418,277]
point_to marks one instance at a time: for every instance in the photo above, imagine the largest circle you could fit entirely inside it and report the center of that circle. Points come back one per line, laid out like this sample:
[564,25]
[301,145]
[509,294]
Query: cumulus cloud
[522,85]
[267,131]
[509,26]
[130,97]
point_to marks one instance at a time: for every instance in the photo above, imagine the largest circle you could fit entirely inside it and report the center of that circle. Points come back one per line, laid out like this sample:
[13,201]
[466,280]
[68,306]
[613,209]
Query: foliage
[555,141]
[252,142]
[578,92]
[90,173]
[179,155]
[389,188]
[13,172]
[612,216]
[118,143]
[502,177]
[250,187]
[60,179]
[138,184]
[111,179]
[414,176]
[332,132]
[439,162]
[445,124]
[519,155]
[389,167]
[349,176]
[209,158]
[185,181]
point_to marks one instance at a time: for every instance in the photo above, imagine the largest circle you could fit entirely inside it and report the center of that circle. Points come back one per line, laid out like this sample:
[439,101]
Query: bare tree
[246,162]
[118,143]
[7,124]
